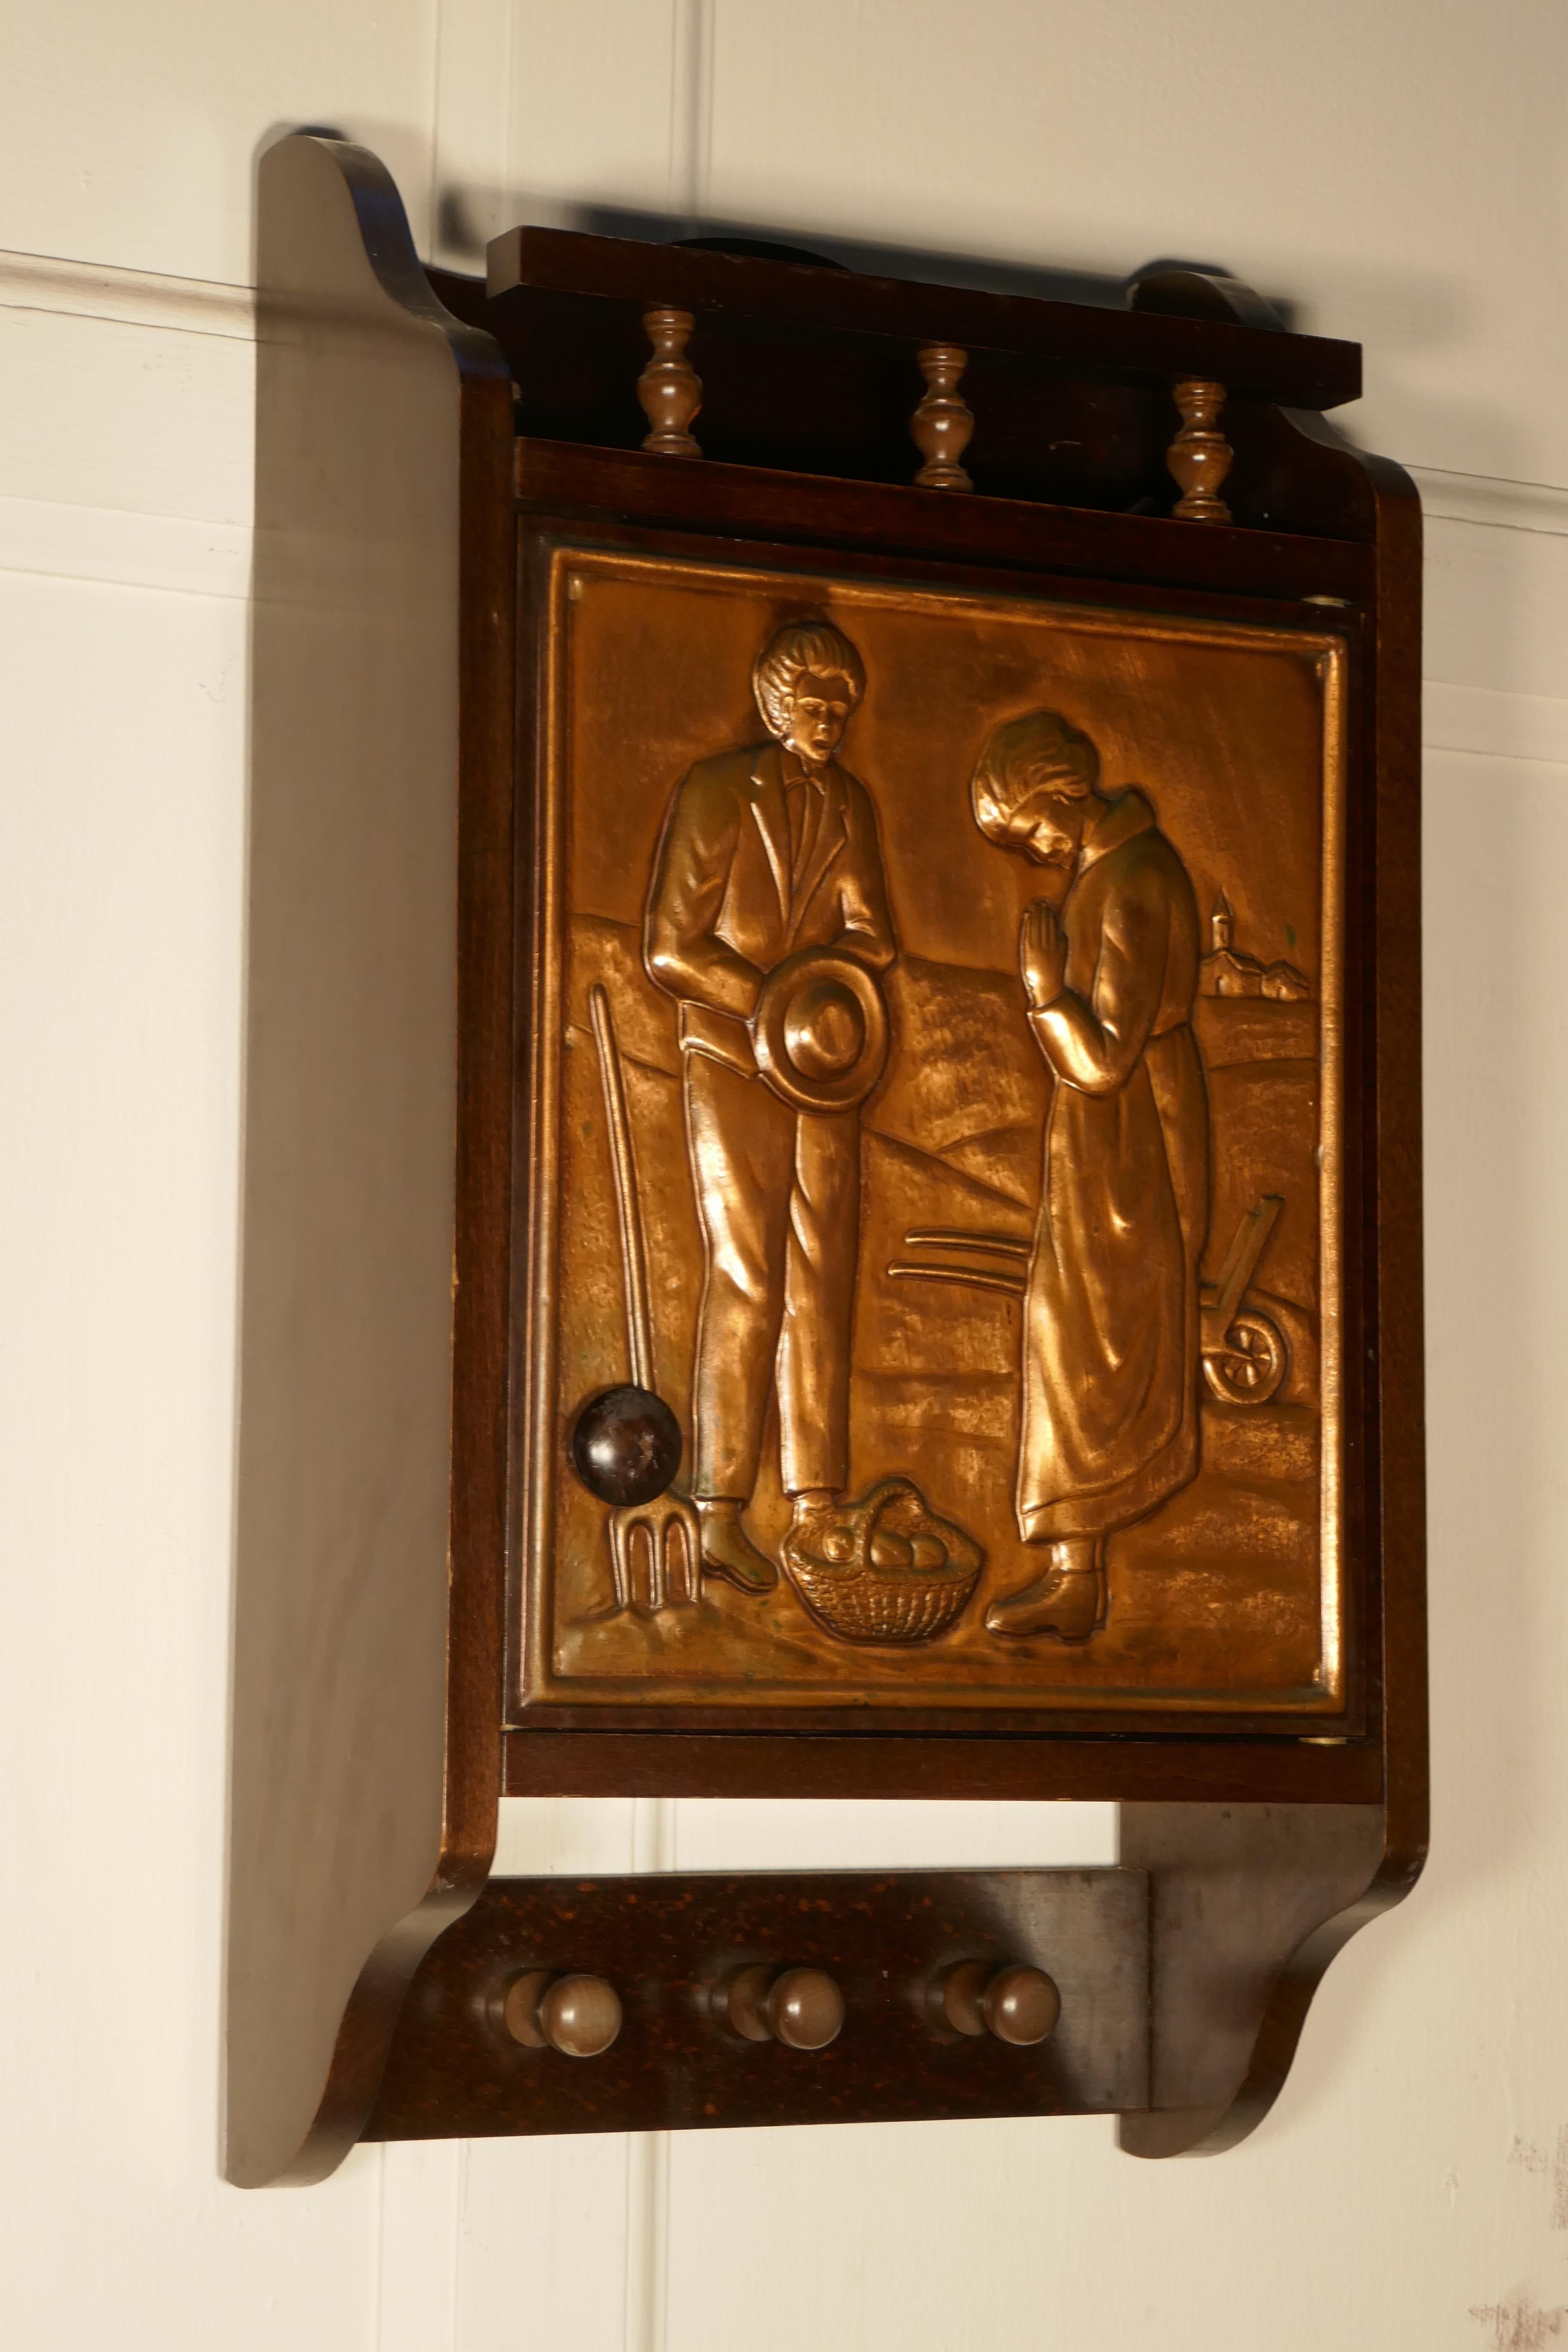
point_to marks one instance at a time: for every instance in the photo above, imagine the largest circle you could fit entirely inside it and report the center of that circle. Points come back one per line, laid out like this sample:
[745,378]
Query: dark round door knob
[626,1446]
[1016,2003]
[578,2015]
[802,2008]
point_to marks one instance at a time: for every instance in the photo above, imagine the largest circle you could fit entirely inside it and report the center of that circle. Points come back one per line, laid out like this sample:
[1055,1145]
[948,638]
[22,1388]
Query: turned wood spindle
[670,388]
[1200,456]
[943,422]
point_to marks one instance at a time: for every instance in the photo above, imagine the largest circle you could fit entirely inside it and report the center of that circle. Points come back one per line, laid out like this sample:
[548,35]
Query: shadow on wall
[467,216]
[1497,1359]
[1407,323]
[1496,834]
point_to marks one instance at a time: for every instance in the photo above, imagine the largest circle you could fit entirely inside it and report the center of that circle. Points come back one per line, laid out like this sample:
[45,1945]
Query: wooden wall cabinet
[832,1182]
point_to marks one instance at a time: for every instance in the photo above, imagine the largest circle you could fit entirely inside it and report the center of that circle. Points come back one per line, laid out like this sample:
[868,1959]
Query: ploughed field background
[1223,1578]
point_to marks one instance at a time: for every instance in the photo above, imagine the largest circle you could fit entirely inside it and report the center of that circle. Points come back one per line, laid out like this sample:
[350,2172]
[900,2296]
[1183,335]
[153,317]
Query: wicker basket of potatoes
[884,1570]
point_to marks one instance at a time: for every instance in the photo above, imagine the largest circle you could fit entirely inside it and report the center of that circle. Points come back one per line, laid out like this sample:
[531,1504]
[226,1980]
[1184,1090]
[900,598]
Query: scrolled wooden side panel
[368,1528]
[1249,1903]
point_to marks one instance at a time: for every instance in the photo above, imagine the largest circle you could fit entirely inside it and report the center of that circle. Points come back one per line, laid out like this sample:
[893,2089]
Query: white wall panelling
[1395,170]
[1400,172]
[130,132]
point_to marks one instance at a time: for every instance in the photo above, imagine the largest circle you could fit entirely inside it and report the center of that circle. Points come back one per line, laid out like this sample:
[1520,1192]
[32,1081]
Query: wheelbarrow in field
[1244,1353]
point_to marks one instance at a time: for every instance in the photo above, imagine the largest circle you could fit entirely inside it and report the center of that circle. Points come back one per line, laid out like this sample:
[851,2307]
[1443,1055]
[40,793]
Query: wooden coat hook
[645,1097]
[578,2015]
[802,2008]
[1017,2003]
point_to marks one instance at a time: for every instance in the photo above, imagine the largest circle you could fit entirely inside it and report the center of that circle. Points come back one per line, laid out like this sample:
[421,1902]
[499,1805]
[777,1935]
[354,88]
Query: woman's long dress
[1111,1316]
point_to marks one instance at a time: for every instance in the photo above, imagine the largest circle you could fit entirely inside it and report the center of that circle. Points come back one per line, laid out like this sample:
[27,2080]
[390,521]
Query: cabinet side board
[359,1826]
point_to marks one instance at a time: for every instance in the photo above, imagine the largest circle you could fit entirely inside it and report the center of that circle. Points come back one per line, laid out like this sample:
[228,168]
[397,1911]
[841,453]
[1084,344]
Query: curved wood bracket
[1248,1903]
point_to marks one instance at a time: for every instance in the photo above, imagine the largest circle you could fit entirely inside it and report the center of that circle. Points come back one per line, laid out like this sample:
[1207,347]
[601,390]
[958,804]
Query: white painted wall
[1399,170]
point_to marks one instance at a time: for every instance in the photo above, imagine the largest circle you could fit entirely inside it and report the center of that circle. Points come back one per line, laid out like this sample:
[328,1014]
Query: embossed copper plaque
[939,1093]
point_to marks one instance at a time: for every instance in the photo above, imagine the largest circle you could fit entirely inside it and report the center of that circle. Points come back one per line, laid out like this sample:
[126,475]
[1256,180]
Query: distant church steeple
[1225,972]
[1222,925]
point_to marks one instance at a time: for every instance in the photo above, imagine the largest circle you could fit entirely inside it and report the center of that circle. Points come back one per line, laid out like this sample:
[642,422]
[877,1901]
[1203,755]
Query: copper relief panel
[938,1001]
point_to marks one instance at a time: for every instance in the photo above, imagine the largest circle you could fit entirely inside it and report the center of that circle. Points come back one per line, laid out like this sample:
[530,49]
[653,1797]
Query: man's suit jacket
[722,910]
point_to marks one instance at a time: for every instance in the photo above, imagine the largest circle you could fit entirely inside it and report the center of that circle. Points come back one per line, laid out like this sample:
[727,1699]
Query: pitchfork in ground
[670,1523]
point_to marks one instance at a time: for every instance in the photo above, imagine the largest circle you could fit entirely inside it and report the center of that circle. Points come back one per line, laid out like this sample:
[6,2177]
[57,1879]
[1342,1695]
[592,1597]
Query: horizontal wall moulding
[1475,720]
[1492,503]
[131,297]
[124,549]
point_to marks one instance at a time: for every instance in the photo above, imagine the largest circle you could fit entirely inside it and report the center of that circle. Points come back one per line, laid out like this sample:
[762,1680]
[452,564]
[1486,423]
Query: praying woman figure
[1110,1371]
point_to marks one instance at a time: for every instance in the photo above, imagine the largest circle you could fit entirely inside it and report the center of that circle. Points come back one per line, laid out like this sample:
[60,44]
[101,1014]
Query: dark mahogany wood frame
[1258,1849]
